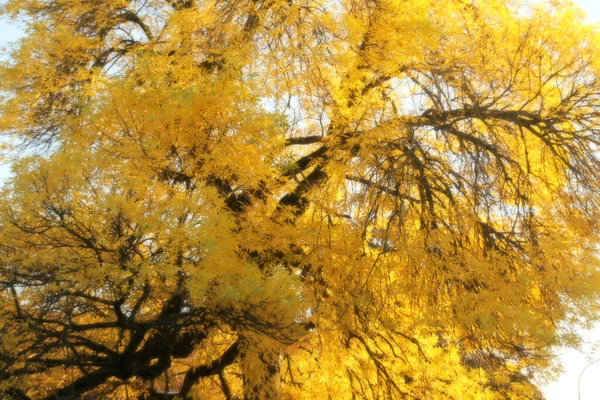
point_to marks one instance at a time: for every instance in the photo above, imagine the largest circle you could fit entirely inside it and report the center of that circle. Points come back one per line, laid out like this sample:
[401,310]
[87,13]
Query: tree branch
[195,373]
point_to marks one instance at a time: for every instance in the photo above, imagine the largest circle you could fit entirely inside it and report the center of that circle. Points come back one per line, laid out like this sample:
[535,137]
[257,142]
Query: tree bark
[259,361]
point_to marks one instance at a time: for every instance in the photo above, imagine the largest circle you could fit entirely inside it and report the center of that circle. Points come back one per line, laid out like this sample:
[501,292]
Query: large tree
[296,198]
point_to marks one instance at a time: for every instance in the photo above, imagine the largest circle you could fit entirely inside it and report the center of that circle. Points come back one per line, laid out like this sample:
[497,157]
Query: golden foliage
[296,199]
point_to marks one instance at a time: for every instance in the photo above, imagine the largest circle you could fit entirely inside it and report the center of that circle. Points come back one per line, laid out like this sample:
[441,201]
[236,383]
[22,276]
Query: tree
[296,199]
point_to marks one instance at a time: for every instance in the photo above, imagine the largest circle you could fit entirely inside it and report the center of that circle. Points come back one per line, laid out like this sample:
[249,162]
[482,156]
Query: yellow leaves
[433,228]
[442,376]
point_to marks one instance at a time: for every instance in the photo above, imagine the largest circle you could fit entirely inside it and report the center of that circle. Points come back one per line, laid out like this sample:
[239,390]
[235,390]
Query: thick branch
[130,16]
[303,140]
[81,385]
[194,374]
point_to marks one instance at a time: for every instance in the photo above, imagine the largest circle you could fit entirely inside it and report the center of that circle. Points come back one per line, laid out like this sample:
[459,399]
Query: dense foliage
[296,198]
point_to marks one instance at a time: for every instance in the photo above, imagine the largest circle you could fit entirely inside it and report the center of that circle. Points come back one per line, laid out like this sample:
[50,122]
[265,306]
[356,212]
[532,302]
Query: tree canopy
[344,199]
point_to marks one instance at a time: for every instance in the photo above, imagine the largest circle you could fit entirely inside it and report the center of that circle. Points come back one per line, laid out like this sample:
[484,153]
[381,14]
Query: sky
[572,384]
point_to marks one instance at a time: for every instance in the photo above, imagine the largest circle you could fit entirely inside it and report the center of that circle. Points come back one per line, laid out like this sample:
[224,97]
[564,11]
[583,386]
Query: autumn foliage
[296,199]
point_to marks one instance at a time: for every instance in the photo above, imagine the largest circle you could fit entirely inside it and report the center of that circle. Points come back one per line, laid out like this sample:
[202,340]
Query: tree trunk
[259,361]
